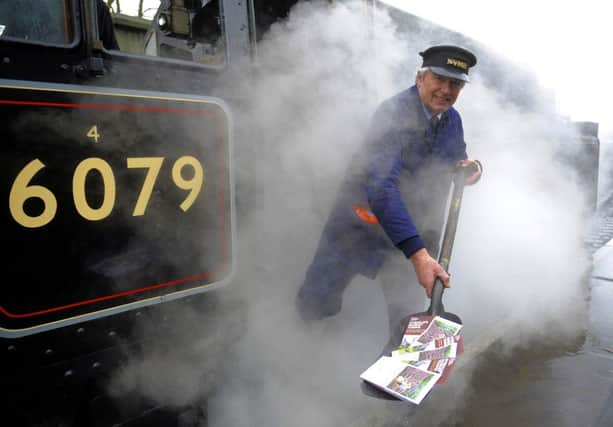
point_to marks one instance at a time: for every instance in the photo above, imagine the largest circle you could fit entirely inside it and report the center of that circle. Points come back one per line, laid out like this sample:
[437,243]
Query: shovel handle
[436,301]
[452,218]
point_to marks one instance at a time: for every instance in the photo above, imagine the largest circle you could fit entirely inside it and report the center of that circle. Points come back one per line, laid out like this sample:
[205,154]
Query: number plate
[111,200]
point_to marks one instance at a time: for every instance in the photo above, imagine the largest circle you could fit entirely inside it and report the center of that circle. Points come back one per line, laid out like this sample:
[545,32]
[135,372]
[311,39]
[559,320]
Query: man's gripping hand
[427,270]
[474,170]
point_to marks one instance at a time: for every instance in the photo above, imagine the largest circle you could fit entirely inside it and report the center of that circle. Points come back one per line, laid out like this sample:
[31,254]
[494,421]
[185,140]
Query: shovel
[436,302]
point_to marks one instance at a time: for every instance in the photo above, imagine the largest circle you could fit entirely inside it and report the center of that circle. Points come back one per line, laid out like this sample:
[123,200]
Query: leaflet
[400,379]
[445,352]
[425,357]
[436,328]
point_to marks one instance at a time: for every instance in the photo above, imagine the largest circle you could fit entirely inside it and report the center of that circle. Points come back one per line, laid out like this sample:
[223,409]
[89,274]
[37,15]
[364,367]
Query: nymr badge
[111,200]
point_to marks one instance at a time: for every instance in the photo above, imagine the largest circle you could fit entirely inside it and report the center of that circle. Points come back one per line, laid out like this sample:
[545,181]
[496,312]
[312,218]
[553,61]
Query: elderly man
[392,201]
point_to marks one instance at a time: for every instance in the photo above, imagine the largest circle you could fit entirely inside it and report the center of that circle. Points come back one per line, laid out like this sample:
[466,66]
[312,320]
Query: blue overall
[402,173]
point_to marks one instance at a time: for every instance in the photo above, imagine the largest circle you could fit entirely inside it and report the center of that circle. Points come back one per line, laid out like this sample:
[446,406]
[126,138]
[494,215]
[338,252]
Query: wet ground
[561,384]
[303,379]
[565,381]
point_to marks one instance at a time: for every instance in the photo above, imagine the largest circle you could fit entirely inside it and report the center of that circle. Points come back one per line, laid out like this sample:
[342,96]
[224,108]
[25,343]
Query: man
[392,201]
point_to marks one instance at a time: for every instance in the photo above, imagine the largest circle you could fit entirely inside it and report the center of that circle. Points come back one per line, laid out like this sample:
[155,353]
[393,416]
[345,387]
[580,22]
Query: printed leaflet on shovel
[424,358]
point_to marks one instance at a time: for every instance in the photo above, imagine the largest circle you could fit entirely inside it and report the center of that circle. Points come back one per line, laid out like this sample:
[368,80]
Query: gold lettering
[460,64]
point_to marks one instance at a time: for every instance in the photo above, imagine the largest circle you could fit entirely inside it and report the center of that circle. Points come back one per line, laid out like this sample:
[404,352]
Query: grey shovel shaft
[436,302]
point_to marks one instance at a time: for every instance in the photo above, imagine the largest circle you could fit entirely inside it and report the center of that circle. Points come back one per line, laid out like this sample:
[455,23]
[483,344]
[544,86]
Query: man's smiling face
[438,93]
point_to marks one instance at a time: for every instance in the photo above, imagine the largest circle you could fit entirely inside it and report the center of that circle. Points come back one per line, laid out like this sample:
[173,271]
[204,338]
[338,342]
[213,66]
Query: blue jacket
[403,174]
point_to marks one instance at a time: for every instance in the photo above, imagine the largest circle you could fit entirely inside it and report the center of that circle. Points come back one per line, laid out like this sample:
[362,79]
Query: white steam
[518,254]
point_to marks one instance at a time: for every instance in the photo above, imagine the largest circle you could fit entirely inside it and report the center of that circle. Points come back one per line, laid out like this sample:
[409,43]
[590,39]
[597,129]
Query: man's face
[438,93]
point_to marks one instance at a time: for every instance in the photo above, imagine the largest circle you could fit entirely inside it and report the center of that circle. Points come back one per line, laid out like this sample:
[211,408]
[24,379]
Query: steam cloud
[518,262]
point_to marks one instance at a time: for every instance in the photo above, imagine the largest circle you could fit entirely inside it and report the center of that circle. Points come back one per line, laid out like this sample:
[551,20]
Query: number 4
[93,133]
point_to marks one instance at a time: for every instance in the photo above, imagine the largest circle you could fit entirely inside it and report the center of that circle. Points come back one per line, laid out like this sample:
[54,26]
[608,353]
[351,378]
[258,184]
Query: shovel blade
[394,342]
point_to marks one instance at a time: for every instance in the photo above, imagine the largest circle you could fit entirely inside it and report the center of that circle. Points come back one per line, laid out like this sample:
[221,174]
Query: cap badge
[458,64]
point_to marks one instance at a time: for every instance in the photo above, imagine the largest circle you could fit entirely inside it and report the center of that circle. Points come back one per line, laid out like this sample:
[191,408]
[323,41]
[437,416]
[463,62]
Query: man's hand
[427,270]
[475,169]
